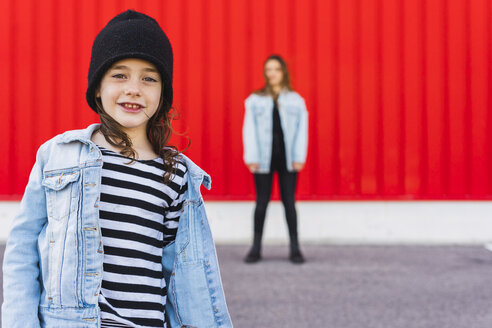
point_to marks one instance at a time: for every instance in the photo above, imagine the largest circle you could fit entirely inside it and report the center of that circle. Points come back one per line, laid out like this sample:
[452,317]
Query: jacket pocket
[261,115]
[60,192]
[192,296]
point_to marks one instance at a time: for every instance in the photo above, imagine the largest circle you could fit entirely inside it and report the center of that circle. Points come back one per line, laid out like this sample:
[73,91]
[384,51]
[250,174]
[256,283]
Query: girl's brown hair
[286,84]
[159,132]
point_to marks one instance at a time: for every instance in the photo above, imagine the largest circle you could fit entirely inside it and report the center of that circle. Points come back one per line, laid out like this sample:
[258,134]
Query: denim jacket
[53,261]
[258,129]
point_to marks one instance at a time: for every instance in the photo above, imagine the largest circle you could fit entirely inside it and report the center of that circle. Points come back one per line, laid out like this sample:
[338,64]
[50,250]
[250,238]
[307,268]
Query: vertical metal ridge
[336,117]
[184,103]
[379,51]
[269,31]
[249,44]
[316,185]
[227,85]
[33,78]
[9,187]
[56,83]
[77,63]
[22,84]
[489,93]
[292,27]
[401,103]
[468,103]
[205,149]
[358,104]
[446,132]
[424,142]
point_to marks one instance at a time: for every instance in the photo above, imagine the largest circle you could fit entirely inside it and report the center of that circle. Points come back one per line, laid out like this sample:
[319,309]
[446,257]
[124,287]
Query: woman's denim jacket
[258,128]
[54,256]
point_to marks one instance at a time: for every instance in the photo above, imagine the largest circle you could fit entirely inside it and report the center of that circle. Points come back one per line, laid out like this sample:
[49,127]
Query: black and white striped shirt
[139,215]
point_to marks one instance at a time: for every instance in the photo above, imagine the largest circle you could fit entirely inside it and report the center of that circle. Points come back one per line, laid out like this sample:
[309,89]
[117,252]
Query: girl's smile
[131,107]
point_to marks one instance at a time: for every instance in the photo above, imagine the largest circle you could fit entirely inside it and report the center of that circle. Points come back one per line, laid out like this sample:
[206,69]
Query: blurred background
[397,91]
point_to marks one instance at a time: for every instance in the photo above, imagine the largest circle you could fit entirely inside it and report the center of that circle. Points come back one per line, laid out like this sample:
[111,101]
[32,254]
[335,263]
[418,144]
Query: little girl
[112,230]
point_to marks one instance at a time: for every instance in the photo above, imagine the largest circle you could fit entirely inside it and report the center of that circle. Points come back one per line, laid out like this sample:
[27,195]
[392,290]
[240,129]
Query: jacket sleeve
[250,142]
[301,136]
[21,272]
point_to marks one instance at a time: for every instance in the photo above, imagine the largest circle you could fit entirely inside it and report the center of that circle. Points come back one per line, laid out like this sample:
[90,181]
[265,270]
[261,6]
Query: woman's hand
[253,167]
[297,166]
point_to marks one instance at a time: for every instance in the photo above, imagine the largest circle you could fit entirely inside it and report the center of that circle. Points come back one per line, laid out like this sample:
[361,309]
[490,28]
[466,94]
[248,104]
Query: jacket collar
[199,176]
[84,136]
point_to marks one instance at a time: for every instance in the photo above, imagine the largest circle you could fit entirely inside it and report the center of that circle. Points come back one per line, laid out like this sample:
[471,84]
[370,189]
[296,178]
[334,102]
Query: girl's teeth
[132,106]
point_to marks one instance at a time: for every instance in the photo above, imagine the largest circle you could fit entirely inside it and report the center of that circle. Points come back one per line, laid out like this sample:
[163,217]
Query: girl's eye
[118,76]
[149,79]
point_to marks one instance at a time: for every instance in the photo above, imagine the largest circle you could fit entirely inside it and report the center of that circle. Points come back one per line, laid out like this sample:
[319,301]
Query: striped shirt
[139,216]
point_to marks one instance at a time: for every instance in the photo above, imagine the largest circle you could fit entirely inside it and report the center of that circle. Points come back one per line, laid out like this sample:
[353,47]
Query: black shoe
[252,257]
[295,251]
[254,254]
[296,257]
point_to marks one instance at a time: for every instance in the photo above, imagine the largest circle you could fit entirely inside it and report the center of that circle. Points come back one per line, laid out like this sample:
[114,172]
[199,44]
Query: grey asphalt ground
[360,287]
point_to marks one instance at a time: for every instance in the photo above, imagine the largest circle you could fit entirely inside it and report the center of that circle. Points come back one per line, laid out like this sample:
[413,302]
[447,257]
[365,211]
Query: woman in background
[275,140]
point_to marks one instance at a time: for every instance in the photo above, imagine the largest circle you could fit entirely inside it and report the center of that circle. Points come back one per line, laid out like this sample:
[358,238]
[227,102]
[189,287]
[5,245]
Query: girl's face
[130,92]
[273,72]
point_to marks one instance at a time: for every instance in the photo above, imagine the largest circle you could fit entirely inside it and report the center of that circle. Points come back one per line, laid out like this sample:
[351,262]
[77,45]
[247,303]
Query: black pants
[263,183]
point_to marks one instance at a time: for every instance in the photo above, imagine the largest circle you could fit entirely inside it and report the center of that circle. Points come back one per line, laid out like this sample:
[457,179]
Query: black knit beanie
[131,35]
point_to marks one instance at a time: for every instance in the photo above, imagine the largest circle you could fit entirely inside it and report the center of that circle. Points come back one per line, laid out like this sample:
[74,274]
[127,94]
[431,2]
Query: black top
[278,145]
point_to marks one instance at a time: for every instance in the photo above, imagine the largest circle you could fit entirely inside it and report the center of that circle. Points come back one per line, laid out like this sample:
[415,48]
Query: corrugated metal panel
[398,91]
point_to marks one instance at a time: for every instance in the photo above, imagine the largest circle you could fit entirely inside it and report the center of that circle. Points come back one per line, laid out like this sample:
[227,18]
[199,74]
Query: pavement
[360,287]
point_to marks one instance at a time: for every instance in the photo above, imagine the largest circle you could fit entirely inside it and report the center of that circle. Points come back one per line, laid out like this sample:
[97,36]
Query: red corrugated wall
[397,90]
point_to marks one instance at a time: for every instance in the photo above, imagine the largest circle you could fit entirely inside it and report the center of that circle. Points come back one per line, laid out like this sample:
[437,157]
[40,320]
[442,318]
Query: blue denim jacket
[53,260]
[258,129]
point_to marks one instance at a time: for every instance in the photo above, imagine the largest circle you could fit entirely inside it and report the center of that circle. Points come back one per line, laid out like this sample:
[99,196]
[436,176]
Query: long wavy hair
[159,132]
[286,84]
